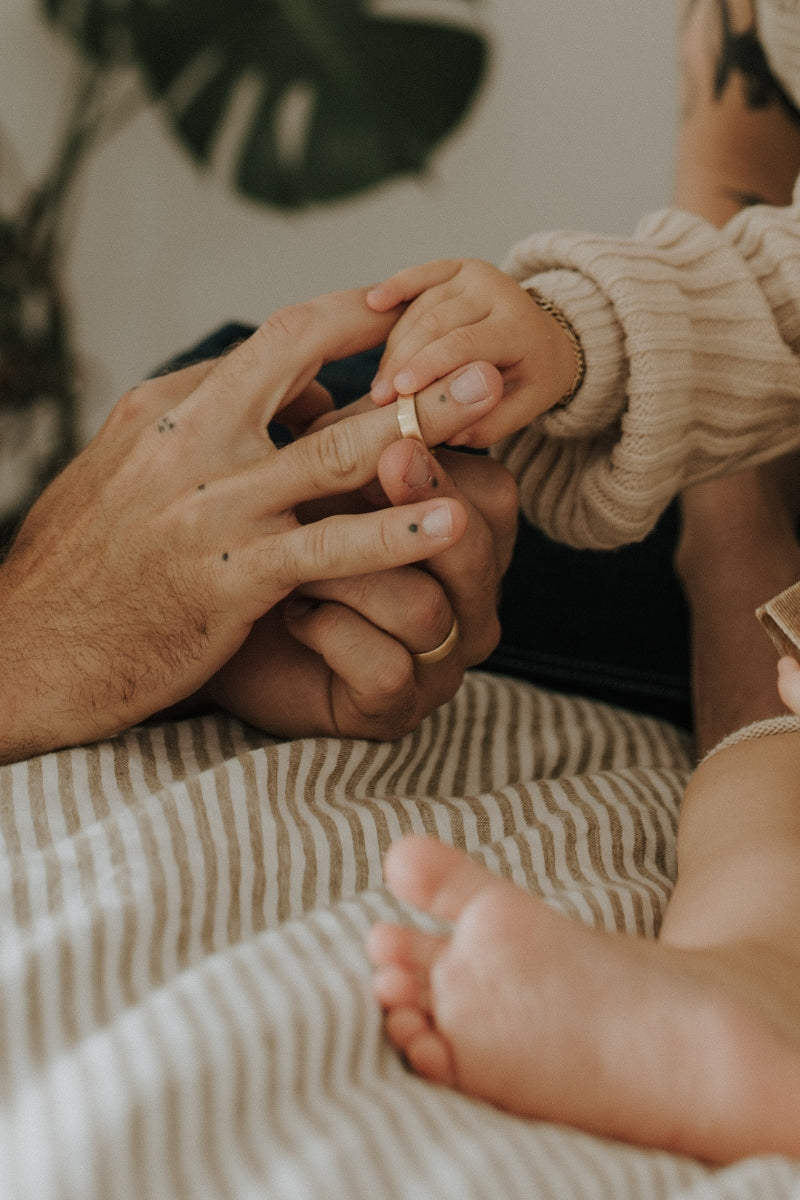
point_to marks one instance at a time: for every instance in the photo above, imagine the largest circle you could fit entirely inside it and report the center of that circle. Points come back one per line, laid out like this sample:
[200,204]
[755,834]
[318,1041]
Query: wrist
[571,360]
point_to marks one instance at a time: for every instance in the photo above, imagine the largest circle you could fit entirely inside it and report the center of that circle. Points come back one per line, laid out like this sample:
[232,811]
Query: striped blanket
[185,1003]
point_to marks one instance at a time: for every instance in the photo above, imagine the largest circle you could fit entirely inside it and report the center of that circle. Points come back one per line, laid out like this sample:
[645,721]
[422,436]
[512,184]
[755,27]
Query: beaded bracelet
[580,358]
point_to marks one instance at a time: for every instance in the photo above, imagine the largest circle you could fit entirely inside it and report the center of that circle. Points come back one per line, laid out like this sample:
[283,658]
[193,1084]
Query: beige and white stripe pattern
[185,1005]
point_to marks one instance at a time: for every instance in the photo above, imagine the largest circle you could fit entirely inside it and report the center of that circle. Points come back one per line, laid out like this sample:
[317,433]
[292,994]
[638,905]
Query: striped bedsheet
[185,1003]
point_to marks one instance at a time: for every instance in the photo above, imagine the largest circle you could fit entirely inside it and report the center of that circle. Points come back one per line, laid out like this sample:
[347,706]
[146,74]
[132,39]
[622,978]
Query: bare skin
[739,145]
[690,1042]
[687,1049]
[738,547]
[146,565]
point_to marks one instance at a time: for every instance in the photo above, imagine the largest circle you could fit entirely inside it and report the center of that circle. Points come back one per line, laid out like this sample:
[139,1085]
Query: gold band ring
[407,418]
[443,649]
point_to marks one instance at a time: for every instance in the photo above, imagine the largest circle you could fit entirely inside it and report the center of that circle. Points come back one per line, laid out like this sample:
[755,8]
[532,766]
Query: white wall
[575,128]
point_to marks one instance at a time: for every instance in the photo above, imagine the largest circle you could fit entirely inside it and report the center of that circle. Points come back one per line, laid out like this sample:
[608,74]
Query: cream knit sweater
[691,336]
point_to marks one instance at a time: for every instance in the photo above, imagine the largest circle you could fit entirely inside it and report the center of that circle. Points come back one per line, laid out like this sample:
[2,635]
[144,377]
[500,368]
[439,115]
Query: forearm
[739,147]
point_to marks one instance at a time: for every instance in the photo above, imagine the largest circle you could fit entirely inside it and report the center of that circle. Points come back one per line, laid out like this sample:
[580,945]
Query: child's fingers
[511,414]
[432,343]
[405,285]
[434,313]
[789,683]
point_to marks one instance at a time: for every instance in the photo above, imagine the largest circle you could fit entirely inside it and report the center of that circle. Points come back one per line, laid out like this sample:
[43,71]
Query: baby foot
[613,1034]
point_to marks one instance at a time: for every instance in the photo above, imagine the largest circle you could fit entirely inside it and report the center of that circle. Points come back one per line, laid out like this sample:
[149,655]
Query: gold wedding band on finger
[442,650]
[407,419]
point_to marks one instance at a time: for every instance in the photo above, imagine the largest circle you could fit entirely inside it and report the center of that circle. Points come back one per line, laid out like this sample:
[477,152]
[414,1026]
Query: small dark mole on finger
[201,487]
[413,528]
[225,556]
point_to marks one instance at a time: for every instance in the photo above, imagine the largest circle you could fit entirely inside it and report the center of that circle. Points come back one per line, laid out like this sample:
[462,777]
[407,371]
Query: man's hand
[144,567]
[337,657]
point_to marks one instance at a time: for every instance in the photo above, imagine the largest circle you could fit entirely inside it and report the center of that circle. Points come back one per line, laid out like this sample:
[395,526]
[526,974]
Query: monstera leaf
[314,100]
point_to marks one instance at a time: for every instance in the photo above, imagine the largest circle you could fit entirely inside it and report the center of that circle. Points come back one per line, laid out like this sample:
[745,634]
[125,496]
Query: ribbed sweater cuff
[600,397]
[759,729]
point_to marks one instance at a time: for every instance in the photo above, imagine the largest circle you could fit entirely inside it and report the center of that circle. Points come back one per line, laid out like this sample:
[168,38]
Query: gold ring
[443,649]
[407,418]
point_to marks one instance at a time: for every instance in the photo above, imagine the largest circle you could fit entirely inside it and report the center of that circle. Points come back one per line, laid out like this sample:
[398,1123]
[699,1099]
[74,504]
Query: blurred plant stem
[40,376]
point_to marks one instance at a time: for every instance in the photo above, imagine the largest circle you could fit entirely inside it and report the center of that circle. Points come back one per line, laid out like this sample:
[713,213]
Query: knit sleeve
[691,337]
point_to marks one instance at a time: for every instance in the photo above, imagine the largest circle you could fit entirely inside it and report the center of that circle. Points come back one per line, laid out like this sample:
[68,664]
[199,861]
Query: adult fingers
[491,489]
[374,686]
[274,365]
[471,575]
[372,673]
[343,456]
[348,544]
[407,603]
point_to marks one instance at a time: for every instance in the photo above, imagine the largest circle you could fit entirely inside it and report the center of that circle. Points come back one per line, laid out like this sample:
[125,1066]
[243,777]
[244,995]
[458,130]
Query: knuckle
[336,451]
[475,266]
[321,545]
[131,407]
[287,324]
[394,683]
[276,571]
[384,544]
[401,720]
[430,325]
[463,341]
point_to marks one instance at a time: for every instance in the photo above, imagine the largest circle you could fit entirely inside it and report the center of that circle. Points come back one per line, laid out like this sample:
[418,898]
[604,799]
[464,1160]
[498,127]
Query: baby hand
[789,683]
[464,310]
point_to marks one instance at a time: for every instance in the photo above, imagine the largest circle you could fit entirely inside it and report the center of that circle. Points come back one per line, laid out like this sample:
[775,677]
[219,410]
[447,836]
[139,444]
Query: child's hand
[464,310]
[789,683]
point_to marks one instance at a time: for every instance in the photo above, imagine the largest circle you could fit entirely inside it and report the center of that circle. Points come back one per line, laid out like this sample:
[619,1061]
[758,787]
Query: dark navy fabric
[611,625]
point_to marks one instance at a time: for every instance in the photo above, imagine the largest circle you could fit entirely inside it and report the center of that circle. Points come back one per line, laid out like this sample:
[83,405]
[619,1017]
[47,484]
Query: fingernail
[404,382]
[418,471]
[438,522]
[470,387]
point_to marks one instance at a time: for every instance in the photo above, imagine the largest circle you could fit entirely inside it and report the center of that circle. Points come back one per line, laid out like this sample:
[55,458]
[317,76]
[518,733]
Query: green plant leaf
[301,101]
